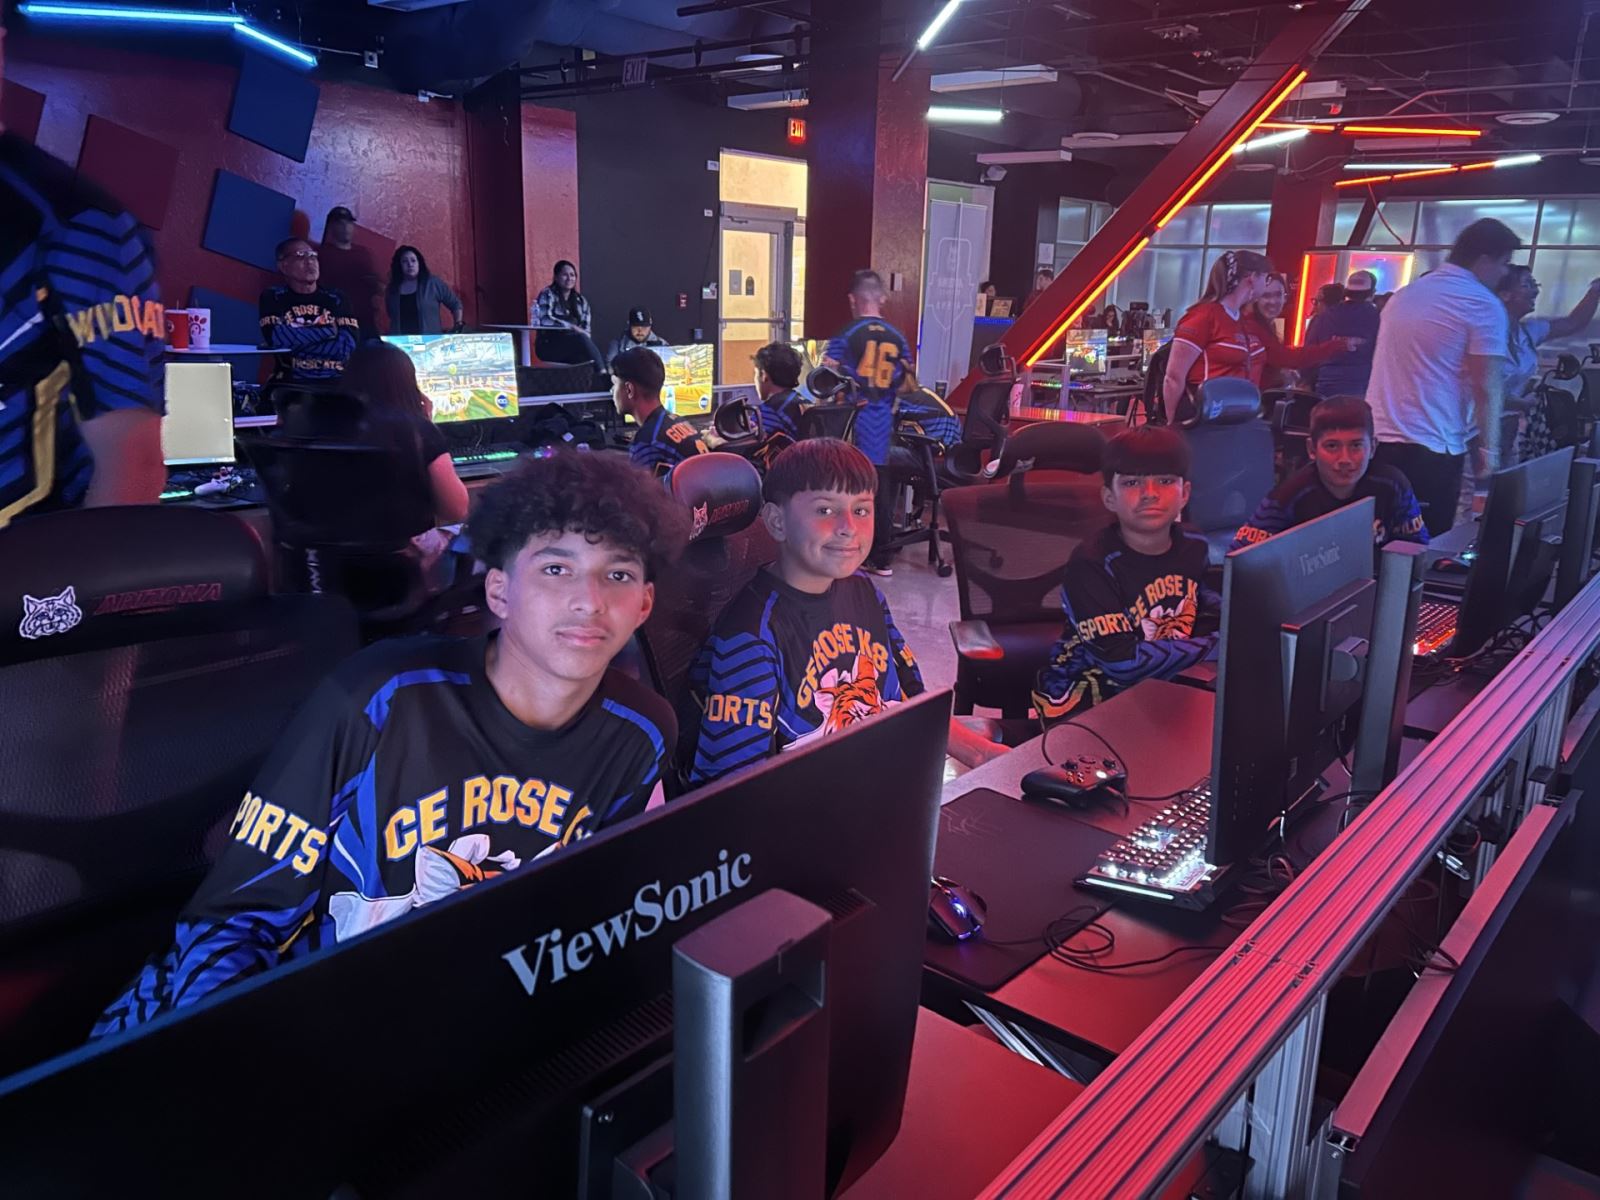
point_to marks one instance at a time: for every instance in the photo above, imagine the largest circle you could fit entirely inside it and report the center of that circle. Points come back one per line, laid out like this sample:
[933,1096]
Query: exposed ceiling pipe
[1472,88]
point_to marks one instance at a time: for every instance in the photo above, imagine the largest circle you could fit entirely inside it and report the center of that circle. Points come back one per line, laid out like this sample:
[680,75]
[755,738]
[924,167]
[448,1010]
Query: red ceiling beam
[1259,91]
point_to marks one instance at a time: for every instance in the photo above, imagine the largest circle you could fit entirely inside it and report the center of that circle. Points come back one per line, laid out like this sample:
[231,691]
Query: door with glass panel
[754,288]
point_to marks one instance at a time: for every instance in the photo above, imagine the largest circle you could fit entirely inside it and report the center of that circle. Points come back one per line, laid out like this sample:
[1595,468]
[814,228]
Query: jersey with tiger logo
[403,780]
[1129,616]
[783,666]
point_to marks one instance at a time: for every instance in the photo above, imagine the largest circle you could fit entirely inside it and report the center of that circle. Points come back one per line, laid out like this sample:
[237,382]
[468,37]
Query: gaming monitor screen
[197,429]
[691,375]
[467,376]
[1086,351]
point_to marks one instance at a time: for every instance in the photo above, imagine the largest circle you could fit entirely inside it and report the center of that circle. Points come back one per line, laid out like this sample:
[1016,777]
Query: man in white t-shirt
[1437,370]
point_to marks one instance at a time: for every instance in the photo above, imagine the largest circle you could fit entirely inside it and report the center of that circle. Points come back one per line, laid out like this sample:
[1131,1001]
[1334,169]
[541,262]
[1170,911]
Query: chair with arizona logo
[729,544]
[145,672]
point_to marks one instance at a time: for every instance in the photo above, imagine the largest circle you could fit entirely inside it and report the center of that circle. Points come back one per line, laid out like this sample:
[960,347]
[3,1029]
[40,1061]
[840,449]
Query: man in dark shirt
[1346,373]
[1135,598]
[350,270]
[424,766]
[1341,471]
[640,332]
[81,333]
[662,440]
[311,322]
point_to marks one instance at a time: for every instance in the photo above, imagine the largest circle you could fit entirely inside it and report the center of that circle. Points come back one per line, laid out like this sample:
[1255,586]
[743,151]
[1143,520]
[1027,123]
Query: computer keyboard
[1436,627]
[483,456]
[491,460]
[1165,858]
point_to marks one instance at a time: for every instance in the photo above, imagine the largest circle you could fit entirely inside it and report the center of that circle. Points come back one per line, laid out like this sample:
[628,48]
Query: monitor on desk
[474,1031]
[1086,352]
[466,376]
[691,378]
[197,430]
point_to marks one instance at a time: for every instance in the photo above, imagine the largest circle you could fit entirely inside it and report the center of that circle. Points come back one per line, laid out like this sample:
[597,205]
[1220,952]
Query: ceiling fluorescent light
[1518,160]
[1271,139]
[1005,157]
[102,12]
[1322,89]
[938,23]
[965,116]
[968,81]
[292,53]
[751,101]
[1090,140]
[1393,166]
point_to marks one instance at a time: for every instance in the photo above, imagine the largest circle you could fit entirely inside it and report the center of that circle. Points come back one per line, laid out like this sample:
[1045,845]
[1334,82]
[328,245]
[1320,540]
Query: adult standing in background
[1042,278]
[1346,373]
[1280,365]
[349,270]
[415,295]
[1438,371]
[1519,292]
[80,395]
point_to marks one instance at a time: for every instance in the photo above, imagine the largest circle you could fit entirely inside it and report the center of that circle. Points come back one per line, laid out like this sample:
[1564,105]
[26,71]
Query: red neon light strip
[1274,102]
[1297,335]
[1456,170]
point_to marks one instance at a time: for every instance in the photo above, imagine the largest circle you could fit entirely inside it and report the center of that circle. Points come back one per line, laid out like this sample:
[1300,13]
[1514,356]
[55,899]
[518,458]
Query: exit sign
[797,131]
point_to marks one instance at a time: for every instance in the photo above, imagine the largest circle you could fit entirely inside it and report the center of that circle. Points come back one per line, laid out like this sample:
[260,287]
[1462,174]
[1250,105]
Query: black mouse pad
[1021,857]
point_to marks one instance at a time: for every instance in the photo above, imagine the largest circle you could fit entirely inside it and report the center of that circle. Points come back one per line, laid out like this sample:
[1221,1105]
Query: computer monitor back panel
[1533,489]
[467,376]
[197,429]
[691,377]
[1265,587]
[466,1037]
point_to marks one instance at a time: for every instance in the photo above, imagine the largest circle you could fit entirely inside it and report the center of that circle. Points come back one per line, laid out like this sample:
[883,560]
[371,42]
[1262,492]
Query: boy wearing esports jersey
[426,765]
[809,647]
[1135,598]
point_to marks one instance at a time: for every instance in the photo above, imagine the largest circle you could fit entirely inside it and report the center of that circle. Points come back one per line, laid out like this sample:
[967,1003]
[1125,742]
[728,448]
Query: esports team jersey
[1229,347]
[317,327]
[875,355]
[1302,497]
[780,413]
[783,666]
[403,780]
[81,326]
[925,412]
[664,441]
[1129,616]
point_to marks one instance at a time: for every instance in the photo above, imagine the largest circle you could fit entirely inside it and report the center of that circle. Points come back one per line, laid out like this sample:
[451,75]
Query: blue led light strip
[167,16]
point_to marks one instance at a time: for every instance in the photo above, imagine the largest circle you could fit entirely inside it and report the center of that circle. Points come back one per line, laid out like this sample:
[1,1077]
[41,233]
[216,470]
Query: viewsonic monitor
[197,429]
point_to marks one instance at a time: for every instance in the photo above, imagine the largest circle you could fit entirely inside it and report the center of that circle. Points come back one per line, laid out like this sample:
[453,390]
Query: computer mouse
[955,913]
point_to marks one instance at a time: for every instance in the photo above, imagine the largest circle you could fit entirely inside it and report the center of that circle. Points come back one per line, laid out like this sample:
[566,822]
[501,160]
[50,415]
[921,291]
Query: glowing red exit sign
[797,131]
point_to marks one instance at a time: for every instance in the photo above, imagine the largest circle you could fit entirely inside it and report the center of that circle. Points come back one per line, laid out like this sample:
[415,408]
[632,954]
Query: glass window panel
[1401,218]
[1176,281]
[1441,220]
[1239,224]
[758,179]
[1072,221]
[1188,228]
[1571,221]
[1563,277]
[1134,282]
[1344,220]
[1102,214]
[1427,260]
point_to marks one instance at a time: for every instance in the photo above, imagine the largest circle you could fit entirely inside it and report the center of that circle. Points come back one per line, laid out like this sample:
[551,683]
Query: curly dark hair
[602,496]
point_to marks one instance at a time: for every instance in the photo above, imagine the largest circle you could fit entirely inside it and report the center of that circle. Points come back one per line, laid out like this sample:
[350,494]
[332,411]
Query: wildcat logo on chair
[44,617]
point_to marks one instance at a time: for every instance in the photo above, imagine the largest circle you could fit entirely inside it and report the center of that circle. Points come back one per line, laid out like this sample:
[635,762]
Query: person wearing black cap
[1135,598]
[1347,372]
[640,332]
[663,441]
[350,270]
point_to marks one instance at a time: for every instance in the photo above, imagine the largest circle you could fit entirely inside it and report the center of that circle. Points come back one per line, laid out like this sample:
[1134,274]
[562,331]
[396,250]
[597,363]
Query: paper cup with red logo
[177,328]
[200,328]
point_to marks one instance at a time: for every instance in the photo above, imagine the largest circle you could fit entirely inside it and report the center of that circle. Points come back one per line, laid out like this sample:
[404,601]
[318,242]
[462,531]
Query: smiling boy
[1341,471]
[424,766]
[1134,596]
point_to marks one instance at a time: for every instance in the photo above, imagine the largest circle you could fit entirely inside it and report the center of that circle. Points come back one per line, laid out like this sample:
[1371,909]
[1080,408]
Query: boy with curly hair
[426,765]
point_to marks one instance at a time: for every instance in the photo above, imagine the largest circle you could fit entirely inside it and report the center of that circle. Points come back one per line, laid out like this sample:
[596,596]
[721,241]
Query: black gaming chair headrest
[1227,402]
[1053,446]
[995,360]
[824,382]
[721,491]
[98,577]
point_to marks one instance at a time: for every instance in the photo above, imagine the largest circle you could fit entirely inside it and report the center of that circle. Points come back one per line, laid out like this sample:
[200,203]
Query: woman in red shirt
[1213,339]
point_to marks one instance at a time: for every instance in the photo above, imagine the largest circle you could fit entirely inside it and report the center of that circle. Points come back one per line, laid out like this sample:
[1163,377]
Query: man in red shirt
[349,270]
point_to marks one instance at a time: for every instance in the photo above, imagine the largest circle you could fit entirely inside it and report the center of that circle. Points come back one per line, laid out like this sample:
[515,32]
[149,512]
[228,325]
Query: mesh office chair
[142,690]
[1012,539]
[730,544]
[1289,413]
[1232,452]
[987,420]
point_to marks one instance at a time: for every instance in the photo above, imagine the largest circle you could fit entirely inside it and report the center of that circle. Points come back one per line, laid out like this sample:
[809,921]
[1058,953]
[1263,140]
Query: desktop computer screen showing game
[1086,351]
[690,377]
[467,376]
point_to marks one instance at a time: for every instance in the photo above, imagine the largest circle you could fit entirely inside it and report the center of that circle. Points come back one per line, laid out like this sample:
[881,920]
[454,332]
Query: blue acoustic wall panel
[233,321]
[247,221]
[274,106]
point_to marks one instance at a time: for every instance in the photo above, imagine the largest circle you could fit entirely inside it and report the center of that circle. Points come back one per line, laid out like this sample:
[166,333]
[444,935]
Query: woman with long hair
[561,313]
[1280,364]
[384,374]
[415,295]
[1213,340]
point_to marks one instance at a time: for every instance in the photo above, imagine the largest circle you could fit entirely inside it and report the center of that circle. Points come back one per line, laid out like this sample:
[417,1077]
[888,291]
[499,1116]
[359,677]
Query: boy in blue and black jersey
[427,765]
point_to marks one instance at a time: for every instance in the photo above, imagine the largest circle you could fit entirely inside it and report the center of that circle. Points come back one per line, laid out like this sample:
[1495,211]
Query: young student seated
[663,440]
[1341,470]
[778,369]
[809,647]
[426,765]
[1135,597]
